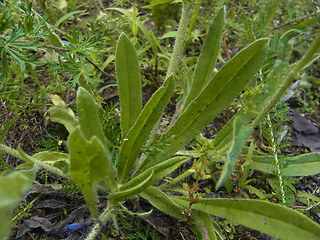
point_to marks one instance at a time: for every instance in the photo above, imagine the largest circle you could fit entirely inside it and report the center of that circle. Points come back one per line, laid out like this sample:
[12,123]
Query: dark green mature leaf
[241,132]
[12,189]
[162,202]
[5,68]
[129,83]
[142,128]
[208,57]
[89,117]
[302,165]
[273,219]
[89,165]
[218,94]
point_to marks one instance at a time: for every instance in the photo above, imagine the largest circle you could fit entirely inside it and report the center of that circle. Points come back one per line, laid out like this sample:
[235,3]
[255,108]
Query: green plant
[13,187]
[93,166]
[271,131]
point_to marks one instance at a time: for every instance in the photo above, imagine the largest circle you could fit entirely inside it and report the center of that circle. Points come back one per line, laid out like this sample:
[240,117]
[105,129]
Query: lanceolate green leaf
[260,100]
[130,192]
[88,116]
[129,82]
[218,94]
[162,202]
[159,171]
[204,224]
[273,219]
[12,189]
[241,132]
[208,57]
[142,128]
[89,165]
[303,165]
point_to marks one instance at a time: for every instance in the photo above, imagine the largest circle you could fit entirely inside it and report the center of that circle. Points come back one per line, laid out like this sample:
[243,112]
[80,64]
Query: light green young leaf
[241,132]
[162,202]
[142,128]
[129,83]
[89,117]
[12,189]
[61,115]
[302,165]
[273,219]
[218,94]
[89,165]
[159,171]
[172,34]
[208,57]
[152,40]
[57,159]
[120,196]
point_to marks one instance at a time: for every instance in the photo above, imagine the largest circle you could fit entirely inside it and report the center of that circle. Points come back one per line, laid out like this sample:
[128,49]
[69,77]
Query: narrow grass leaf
[129,83]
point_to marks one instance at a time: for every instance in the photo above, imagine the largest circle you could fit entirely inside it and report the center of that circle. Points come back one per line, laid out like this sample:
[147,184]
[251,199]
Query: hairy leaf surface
[142,128]
[273,219]
[218,94]
[89,165]
[129,82]
[208,57]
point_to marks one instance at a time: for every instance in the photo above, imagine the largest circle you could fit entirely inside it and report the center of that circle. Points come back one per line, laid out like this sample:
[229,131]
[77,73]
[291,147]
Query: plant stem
[300,65]
[181,35]
[104,217]
[177,179]
[28,159]
[276,159]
